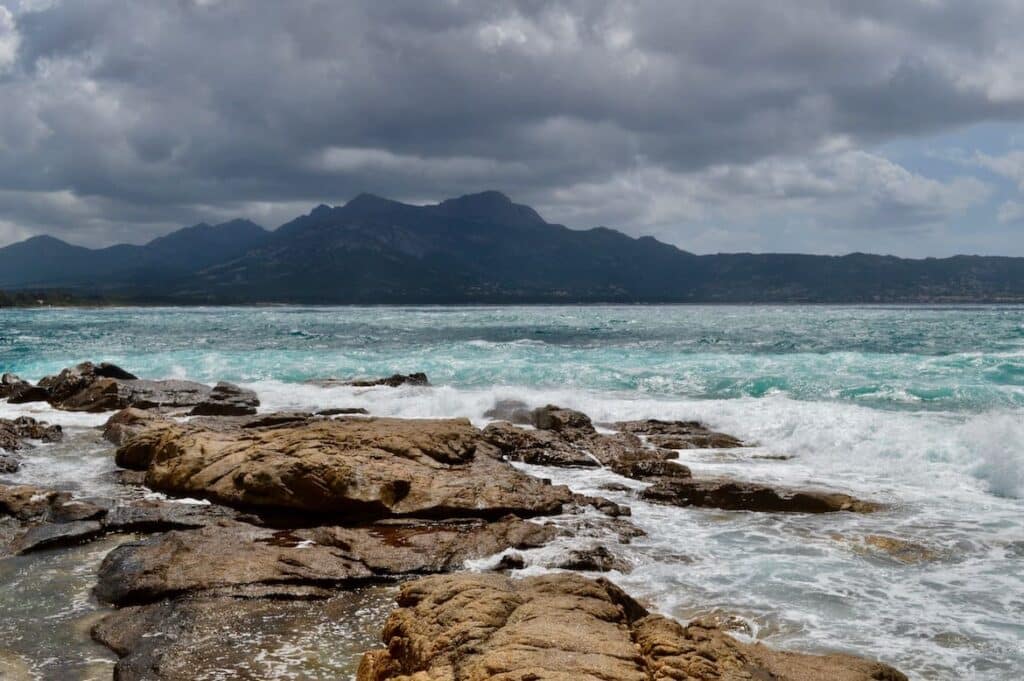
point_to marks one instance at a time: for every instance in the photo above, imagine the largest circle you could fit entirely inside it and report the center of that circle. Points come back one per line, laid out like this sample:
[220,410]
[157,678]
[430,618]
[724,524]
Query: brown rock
[570,423]
[565,627]
[594,559]
[679,434]
[393,381]
[34,518]
[129,422]
[23,393]
[227,556]
[153,515]
[235,558]
[566,438]
[731,495]
[227,399]
[351,468]
[8,383]
[537,447]
[104,387]
[343,411]
[52,535]
[393,548]
[27,502]
[646,469]
[14,431]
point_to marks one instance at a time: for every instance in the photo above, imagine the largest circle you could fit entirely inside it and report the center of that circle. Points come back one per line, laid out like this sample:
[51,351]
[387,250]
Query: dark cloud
[122,118]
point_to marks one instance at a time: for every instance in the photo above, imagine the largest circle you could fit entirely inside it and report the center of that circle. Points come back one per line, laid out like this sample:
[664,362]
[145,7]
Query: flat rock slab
[240,559]
[731,495]
[565,627]
[151,515]
[352,468]
[232,638]
[52,535]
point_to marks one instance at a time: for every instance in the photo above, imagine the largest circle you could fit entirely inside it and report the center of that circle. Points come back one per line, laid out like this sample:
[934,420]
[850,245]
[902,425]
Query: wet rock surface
[14,432]
[51,535]
[395,380]
[231,558]
[679,434]
[238,638]
[227,399]
[311,514]
[564,626]
[594,559]
[9,383]
[568,438]
[731,495]
[100,387]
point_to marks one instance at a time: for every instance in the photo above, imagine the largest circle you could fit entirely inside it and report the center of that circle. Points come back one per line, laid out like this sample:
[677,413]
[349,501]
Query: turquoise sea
[918,407]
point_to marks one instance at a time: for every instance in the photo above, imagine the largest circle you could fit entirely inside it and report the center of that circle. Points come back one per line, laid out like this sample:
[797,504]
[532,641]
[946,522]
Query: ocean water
[921,408]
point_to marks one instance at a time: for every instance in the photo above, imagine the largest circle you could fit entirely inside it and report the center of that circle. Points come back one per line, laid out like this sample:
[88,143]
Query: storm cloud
[734,125]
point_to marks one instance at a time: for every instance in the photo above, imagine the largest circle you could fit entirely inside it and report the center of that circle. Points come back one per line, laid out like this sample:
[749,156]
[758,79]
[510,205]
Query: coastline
[933,457]
[243,538]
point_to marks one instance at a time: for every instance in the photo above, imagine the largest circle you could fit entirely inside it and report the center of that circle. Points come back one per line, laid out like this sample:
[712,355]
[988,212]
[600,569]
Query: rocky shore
[243,523]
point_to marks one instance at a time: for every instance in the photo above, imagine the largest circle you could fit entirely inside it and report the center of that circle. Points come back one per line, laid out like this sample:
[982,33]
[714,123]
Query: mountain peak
[366,200]
[489,205]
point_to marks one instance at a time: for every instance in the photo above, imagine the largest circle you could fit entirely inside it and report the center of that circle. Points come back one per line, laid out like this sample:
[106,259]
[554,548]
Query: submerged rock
[563,626]
[513,411]
[350,468]
[393,381]
[342,411]
[235,638]
[9,463]
[901,550]
[731,495]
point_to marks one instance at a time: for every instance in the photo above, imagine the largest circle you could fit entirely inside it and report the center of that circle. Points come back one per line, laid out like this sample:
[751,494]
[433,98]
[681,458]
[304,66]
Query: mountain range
[475,248]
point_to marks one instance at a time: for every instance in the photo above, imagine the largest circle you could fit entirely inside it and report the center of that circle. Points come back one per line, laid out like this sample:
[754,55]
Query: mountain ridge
[479,247]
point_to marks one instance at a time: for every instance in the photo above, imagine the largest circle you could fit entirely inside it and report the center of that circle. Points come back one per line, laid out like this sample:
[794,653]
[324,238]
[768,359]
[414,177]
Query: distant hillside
[478,248]
[44,261]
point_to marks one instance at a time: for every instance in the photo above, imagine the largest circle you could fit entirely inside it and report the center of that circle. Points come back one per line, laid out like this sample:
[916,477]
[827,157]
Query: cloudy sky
[892,126]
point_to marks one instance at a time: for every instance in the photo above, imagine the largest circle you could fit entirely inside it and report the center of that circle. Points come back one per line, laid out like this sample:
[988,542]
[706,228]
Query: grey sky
[889,126]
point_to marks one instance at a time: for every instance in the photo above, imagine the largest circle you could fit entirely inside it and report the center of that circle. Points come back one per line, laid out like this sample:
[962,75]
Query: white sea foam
[798,581]
[952,482]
